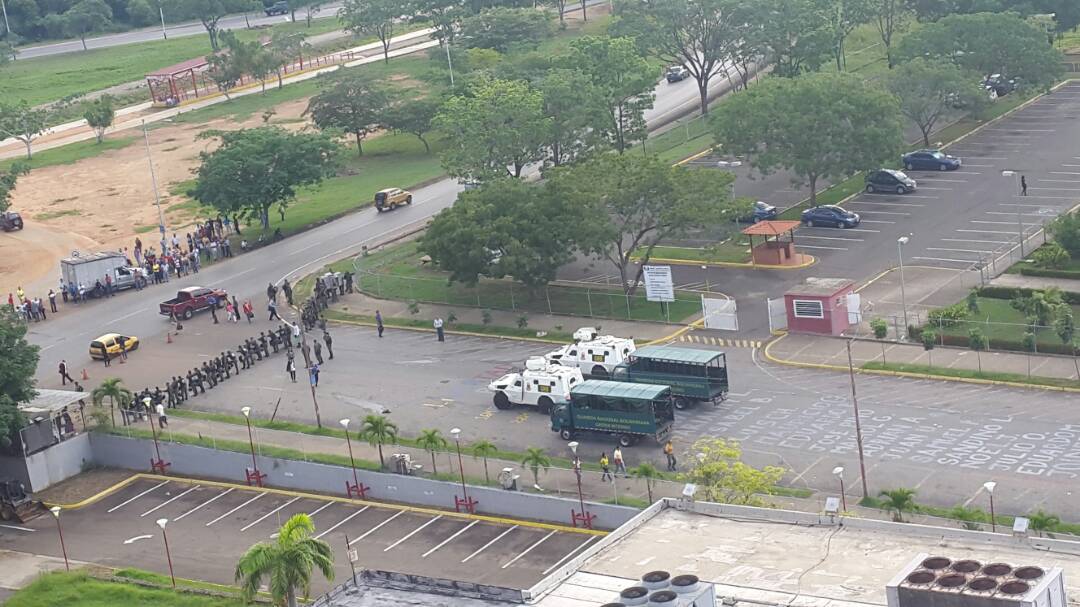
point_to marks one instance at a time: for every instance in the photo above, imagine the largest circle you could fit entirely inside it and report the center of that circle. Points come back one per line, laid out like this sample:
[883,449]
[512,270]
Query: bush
[947,316]
[880,328]
[1068,297]
[929,339]
[1051,255]
[1050,273]
[962,341]
[1066,232]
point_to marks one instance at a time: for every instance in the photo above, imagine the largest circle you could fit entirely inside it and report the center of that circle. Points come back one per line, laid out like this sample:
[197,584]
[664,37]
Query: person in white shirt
[439,329]
[161,419]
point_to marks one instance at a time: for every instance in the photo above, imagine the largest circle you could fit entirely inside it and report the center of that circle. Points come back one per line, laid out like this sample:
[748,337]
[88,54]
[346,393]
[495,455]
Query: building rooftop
[820,286]
[697,356]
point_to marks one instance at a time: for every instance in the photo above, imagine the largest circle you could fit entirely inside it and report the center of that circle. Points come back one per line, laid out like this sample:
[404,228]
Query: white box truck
[89,272]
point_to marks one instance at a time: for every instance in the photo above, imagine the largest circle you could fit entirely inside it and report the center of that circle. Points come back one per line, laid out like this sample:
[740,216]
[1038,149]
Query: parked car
[930,160]
[889,180]
[761,212]
[999,86]
[191,300]
[830,215]
[10,221]
[676,73]
[109,345]
[277,8]
[391,198]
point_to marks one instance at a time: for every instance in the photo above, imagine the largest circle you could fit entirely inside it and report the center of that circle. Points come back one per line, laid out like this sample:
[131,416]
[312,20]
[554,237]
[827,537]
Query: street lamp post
[900,242]
[156,465]
[858,423]
[1019,209]
[56,514]
[449,63]
[161,522]
[839,473]
[465,501]
[583,517]
[6,24]
[153,182]
[161,12]
[254,477]
[989,486]
[356,486]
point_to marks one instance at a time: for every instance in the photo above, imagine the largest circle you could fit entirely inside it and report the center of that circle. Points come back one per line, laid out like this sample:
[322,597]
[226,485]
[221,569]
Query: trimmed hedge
[1050,273]
[1068,297]
[962,341]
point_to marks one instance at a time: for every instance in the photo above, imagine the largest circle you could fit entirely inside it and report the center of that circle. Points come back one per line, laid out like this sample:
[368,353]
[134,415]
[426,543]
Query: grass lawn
[493,330]
[399,274]
[727,251]
[1011,325]
[1018,378]
[44,79]
[71,153]
[79,589]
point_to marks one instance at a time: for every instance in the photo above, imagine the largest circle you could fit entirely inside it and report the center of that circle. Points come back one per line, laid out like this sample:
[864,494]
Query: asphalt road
[178,30]
[67,335]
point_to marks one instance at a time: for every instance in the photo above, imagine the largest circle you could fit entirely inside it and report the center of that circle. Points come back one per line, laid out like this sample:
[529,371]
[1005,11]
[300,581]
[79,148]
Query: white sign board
[658,285]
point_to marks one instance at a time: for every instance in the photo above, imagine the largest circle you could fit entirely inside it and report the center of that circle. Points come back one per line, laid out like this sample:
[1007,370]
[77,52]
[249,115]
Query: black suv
[10,221]
[888,180]
[277,8]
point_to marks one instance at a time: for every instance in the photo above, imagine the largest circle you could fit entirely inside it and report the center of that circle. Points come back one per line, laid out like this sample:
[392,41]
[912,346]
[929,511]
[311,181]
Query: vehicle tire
[599,372]
[627,440]
[942,167]
[682,403]
[408,200]
[545,405]
[870,188]
[7,513]
[908,166]
[810,223]
[755,219]
[900,189]
[566,434]
[502,402]
[188,314]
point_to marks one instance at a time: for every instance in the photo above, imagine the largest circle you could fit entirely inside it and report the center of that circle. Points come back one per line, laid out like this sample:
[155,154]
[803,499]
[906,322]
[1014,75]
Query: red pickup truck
[191,300]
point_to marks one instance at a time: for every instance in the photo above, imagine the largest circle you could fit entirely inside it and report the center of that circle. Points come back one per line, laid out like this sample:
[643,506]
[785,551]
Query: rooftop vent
[663,598]
[997,570]
[660,589]
[966,566]
[656,580]
[634,595]
[939,581]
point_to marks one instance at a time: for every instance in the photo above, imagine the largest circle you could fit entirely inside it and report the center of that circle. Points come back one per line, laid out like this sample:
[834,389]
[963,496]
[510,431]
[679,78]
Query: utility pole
[858,424]
[7,25]
[161,12]
[153,181]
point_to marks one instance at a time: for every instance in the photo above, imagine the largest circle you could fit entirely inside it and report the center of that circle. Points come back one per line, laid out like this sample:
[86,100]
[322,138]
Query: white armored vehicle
[541,384]
[593,354]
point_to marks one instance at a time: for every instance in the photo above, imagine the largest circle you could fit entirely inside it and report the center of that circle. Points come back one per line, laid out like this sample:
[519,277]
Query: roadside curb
[732,264]
[365,323]
[97,496]
[965,380]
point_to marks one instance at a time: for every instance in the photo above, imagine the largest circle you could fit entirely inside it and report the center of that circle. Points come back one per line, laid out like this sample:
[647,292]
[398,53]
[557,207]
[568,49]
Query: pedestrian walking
[41,309]
[162,421]
[249,311]
[229,310]
[122,342]
[64,377]
[314,372]
[290,367]
[271,292]
[107,359]
[318,352]
[620,465]
[439,329]
[272,307]
[287,288]
[378,323]
[606,467]
[213,301]
[329,343]
[1023,185]
[669,451]
[52,301]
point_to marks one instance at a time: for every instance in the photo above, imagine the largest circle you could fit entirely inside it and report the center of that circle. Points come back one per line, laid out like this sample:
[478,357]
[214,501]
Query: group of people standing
[31,308]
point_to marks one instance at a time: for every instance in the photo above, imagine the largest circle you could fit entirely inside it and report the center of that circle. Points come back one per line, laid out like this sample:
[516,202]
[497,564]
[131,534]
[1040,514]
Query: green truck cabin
[694,375]
[626,411]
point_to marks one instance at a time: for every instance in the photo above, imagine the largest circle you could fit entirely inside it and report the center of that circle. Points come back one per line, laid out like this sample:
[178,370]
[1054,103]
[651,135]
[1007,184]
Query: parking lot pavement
[211,524]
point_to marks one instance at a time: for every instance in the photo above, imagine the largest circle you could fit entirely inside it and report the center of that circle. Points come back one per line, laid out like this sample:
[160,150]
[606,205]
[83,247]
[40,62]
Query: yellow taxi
[391,198]
[109,345]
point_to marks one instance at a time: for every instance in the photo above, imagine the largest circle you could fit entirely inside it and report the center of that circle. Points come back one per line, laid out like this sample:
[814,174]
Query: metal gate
[720,313]
[854,308]
[777,314]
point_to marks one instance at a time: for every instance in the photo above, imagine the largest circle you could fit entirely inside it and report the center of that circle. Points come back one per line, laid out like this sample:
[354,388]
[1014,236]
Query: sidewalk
[1035,282]
[831,353]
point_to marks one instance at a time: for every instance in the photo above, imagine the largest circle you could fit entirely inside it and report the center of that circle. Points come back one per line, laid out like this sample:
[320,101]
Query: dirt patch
[83,486]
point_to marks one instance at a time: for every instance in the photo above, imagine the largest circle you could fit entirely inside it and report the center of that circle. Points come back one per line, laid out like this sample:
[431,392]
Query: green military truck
[625,411]
[694,375]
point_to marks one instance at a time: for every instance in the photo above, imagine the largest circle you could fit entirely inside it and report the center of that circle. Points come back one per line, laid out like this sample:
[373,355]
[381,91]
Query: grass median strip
[557,337]
[83,589]
[1016,378]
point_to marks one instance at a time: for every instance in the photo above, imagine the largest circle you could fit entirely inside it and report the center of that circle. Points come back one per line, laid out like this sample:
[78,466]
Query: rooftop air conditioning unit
[938,581]
[659,589]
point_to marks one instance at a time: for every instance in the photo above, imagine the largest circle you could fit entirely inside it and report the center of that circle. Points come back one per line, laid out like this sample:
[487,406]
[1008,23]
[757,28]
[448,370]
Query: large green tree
[988,43]
[99,115]
[352,103]
[372,18]
[927,90]
[841,19]
[722,476]
[8,177]
[633,202]
[255,169]
[890,17]
[574,107]
[87,17]
[444,15]
[816,126]
[22,122]
[504,228]
[413,116]
[503,28]
[209,12]
[698,34]
[794,32]
[17,367]
[288,561]
[496,129]
[623,80]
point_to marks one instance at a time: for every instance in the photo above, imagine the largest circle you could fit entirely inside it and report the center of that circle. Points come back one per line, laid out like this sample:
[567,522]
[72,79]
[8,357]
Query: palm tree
[288,562]
[648,472]
[377,431]
[431,441]
[898,501]
[1041,521]
[113,389]
[484,449]
[535,459]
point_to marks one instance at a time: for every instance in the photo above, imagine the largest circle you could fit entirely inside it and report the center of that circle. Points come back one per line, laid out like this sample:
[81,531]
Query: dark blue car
[930,160]
[830,215]
[761,212]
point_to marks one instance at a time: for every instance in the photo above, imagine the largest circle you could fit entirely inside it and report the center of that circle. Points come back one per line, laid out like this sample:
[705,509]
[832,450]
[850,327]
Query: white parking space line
[1058,189]
[922,187]
[890,204]
[800,235]
[986,231]
[206,503]
[1009,129]
[964,261]
[806,246]
[487,545]
[1042,197]
[1064,173]
[376,527]
[257,496]
[169,501]
[588,541]
[977,241]
[1015,204]
[321,508]
[125,503]
[267,515]
[980,166]
[903,195]
[411,533]
[936,180]
[347,518]
[1071,165]
[17,528]
[1002,223]
[449,539]
[869,221]
[1057,180]
[899,213]
[1049,213]
[982,158]
[958,250]
[529,549]
[862,230]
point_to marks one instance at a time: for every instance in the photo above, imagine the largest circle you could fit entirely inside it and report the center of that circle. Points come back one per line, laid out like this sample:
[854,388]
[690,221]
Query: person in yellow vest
[605,466]
[669,451]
